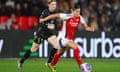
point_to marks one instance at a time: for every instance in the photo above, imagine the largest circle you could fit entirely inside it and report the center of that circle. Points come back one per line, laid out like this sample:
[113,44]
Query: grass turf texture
[64,65]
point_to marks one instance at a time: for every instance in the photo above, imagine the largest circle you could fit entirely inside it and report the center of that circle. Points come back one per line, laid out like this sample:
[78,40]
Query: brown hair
[49,1]
[75,7]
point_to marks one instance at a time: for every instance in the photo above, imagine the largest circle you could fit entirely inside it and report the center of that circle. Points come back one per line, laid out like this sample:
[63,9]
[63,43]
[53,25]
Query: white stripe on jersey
[63,17]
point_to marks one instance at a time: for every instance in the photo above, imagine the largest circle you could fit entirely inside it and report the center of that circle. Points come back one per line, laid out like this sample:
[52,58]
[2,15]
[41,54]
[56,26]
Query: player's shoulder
[45,10]
[44,13]
[80,16]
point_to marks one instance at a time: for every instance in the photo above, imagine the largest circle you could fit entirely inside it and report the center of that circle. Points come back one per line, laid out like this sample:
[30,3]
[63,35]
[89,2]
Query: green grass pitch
[64,65]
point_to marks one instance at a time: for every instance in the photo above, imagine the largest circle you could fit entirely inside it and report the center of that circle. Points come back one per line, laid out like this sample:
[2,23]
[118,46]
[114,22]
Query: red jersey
[70,25]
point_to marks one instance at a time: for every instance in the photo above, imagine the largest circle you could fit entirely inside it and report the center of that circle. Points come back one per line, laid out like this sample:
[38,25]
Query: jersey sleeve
[42,15]
[63,16]
[82,20]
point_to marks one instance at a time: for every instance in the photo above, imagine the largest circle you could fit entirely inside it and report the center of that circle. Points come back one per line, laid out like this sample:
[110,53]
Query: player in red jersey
[66,35]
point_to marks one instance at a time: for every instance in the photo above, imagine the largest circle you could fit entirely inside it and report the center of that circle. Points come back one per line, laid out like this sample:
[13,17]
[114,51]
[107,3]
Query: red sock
[55,59]
[77,56]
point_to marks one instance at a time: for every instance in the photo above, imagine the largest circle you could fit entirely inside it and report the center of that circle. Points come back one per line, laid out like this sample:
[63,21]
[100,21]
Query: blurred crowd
[104,15]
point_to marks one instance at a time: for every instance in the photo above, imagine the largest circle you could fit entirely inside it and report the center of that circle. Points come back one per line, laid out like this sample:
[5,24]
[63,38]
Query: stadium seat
[23,23]
[31,21]
[3,19]
[16,19]
[15,22]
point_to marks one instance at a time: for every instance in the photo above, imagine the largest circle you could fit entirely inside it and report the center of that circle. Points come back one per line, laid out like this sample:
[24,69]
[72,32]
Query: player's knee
[38,40]
[54,43]
[56,46]
[34,48]
[60,52]
[72,45]
[75,46]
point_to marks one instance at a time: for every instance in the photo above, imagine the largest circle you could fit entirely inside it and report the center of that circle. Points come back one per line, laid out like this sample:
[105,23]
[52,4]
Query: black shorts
[43,35]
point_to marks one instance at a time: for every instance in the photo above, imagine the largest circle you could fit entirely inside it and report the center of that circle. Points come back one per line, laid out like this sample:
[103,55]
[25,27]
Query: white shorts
[62,40]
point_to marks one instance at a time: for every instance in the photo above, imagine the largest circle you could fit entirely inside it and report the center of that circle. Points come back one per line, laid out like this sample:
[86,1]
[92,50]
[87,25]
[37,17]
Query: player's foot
[52,68]
[19,65]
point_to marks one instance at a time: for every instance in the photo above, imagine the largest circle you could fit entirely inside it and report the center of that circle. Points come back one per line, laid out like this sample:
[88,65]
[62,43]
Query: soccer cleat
[20,65]
[52,68]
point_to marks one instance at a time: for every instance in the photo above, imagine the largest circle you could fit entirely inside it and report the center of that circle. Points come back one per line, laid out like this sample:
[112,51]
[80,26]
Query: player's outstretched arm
[88,28]
[41,20]
[85,26]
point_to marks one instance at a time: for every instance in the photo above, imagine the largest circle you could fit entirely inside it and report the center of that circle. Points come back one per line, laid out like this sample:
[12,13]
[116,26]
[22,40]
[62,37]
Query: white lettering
[40,50]
[116,50]
[81,41]
[1,45]
[95,42]
[64,55]
[104,42]
[43,49]
[107,46]
[103,47]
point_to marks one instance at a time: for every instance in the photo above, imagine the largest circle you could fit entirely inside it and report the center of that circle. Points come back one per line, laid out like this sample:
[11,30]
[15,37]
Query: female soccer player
[70,24]
[46,31]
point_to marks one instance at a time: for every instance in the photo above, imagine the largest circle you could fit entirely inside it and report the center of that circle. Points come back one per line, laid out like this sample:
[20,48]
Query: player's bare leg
[72,45]
[34,48]
[76,52]
[51,66]
[53,41]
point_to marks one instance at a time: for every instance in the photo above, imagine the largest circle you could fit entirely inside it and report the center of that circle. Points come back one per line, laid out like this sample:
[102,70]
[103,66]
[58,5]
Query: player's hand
[41,20]
[92,29]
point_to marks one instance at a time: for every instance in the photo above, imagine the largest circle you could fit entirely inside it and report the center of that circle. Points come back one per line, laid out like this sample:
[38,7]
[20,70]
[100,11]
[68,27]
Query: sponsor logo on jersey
[74,24]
